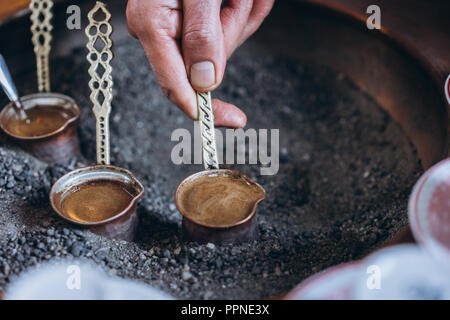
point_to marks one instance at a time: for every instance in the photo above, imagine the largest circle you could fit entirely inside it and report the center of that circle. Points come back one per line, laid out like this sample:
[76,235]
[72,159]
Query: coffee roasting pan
[403,67]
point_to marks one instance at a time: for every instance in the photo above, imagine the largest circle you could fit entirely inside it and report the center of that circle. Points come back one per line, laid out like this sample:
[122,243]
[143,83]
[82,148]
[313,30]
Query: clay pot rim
[300,289]
[75,108]
[447,89]
[421,232]
[128,209]
[227,172]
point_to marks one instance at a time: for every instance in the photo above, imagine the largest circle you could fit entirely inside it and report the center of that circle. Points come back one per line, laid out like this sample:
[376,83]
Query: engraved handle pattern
[99,57]
[41,27]
[206,122]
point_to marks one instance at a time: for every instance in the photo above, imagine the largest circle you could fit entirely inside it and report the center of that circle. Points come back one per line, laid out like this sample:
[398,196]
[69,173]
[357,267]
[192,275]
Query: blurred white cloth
[406,272]
[77,281]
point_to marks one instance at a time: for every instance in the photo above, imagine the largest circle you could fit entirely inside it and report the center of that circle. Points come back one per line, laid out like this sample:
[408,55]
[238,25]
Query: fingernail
[203,75]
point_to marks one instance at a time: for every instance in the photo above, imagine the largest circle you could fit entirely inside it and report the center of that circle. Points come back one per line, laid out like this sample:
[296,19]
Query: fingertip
[185,100]
[228,115]
[187,103]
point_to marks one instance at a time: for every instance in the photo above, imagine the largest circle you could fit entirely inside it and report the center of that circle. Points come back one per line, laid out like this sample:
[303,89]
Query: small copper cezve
[56,145]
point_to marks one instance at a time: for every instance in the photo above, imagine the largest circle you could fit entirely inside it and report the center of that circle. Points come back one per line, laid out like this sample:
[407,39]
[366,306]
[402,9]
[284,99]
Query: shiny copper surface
[59,146]
[122,225]
[242,231]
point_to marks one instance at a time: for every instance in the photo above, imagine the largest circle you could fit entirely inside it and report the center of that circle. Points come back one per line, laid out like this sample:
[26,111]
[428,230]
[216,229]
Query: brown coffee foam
[96,201]
[219,199]
[40,120]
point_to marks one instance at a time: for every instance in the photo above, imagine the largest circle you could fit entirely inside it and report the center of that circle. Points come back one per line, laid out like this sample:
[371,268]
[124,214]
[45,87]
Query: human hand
[188,42]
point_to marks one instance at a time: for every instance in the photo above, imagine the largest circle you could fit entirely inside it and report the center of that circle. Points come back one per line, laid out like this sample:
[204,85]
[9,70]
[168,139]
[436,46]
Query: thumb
[203,43]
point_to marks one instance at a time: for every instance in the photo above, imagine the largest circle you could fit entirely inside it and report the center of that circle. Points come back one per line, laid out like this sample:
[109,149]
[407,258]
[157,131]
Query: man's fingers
[155,15]
[157,29]
[200,63]
[240,19]
[260,10]
[202,42]
[166,61]
[234,17]
[228,115]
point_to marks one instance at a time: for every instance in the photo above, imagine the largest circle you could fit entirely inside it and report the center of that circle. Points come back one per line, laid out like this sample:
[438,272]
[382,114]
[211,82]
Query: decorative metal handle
[101,83]
[41,27]
[206,122]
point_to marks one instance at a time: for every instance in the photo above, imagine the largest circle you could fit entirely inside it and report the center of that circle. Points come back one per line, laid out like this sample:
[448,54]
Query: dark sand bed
[346,171]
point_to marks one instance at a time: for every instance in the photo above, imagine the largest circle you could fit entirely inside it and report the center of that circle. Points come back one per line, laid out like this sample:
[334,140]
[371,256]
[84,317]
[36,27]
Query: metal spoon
[10,89]
[206,122]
